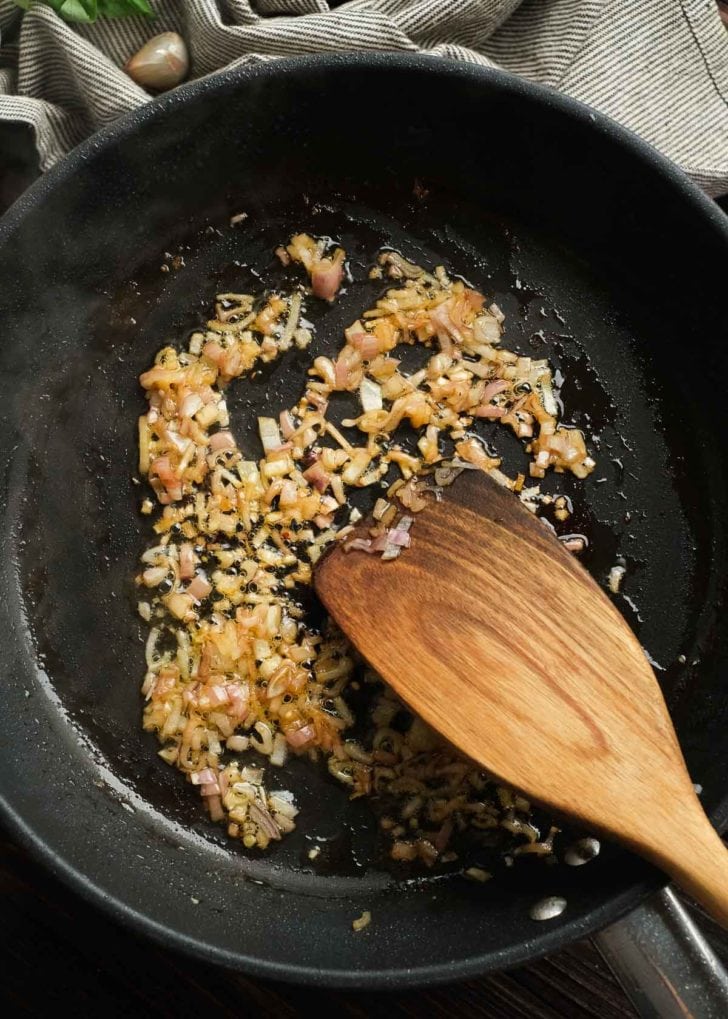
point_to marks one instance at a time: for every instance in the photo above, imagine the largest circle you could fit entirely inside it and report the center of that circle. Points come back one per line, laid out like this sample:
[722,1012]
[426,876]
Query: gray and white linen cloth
[658,66]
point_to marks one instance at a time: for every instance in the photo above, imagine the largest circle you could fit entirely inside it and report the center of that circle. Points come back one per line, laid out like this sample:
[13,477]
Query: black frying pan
[603,256]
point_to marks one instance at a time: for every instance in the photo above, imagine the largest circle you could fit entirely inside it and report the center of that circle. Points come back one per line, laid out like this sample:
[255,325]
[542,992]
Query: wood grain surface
[58,953]
[505,642]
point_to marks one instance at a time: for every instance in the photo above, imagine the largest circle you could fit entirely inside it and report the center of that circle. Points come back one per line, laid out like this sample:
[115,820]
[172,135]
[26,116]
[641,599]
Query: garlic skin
[161,63]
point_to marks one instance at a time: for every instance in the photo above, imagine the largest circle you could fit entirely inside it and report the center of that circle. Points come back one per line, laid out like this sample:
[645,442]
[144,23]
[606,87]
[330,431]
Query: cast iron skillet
[604,257]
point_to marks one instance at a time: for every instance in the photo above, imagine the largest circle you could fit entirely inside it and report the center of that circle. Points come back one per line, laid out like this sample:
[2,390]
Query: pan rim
[92,889]
[227,80]
[409,978]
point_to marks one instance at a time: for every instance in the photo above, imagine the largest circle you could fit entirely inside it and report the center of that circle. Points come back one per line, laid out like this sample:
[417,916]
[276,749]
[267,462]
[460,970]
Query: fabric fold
[661,69]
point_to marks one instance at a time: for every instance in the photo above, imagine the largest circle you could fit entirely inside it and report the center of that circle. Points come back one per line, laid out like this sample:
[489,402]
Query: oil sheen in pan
[541,291]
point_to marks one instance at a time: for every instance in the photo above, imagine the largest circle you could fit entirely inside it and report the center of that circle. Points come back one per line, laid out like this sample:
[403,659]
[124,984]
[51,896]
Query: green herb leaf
[75,10]
[124,8]
[87,11]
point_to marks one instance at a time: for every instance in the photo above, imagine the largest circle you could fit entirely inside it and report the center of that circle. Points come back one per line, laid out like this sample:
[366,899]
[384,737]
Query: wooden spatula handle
[696,857]
[498,638]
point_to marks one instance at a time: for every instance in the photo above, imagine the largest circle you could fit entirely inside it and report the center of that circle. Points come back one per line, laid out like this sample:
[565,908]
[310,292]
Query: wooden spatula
[496,636]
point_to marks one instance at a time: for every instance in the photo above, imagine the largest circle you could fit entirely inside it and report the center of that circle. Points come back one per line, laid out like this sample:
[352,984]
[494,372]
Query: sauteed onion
[232,664]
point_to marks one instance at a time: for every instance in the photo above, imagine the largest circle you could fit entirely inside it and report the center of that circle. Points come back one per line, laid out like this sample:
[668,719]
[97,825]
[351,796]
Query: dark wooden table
[56,952]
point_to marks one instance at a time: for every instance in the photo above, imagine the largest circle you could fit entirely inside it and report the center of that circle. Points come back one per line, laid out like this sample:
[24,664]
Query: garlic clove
[161,63]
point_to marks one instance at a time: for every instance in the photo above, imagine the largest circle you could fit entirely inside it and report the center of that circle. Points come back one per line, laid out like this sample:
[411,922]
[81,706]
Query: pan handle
[663,962]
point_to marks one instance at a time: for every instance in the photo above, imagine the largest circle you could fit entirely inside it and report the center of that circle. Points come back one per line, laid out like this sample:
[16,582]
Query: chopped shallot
[187,561]
[232,663]
[370,394]
[204,777]
[270,436]
[221,441]
[317,476]
[327,275]
[300,737]
[574,542]
[200,587]
[287,424]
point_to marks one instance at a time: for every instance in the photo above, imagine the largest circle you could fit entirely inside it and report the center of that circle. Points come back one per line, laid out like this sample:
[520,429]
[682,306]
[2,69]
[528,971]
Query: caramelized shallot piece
[327,276]
[326,272]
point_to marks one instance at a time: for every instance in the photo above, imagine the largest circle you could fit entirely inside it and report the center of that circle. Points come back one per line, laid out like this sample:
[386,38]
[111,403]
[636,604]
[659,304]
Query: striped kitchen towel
[658,66]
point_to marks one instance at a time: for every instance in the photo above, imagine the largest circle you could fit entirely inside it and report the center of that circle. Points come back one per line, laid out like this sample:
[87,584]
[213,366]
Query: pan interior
[76,534]
[90,639]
